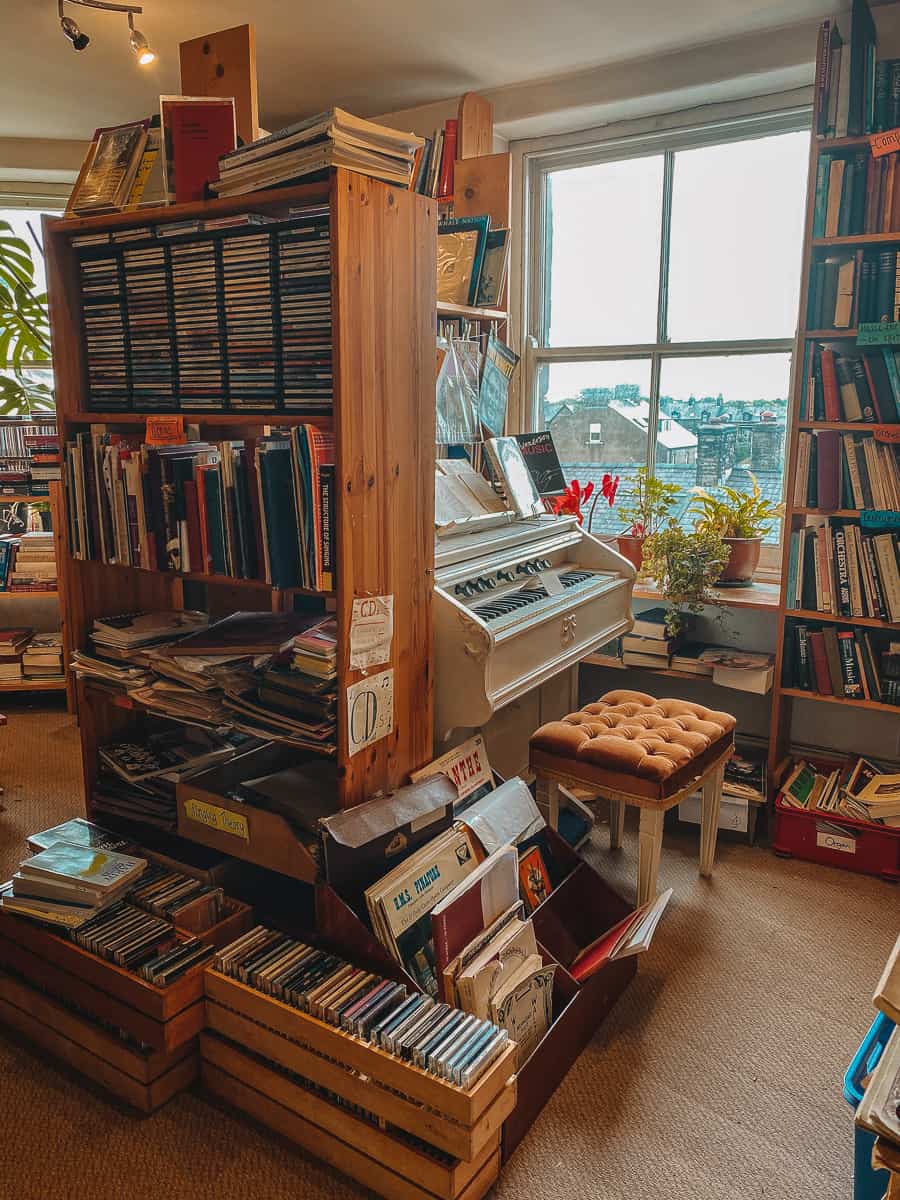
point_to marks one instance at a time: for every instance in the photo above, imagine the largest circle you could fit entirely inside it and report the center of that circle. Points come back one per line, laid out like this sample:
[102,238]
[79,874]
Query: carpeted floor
[717,1075]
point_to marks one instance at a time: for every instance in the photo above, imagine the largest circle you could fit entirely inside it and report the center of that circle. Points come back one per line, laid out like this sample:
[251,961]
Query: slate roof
[607,520]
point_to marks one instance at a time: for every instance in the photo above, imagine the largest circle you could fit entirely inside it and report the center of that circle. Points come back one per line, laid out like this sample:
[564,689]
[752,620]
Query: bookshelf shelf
[469,313]
[848,426]
[233,581]
[33,685]
[35,595]
[615,664]
[829,618]
[762,596]
[872,705]
[856,239]
[250,417]
[829,335]
[19,498]
[824,512]
[843,143]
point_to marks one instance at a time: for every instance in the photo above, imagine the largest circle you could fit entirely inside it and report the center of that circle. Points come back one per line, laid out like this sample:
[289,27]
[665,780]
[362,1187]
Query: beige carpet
[718,1074]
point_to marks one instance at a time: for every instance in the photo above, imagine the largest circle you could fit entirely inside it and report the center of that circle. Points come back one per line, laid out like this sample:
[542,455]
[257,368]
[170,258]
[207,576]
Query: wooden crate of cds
[144,1078]
[396,1128]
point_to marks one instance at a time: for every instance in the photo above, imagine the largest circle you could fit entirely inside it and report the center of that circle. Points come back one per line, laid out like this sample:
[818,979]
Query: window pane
[598,415]
[20,219]
[603,237]
[737,231]
[735,408]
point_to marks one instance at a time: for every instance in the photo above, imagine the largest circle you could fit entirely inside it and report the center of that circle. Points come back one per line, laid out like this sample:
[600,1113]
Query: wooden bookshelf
[783,697]
[383,244]
[33,685]
[469,312]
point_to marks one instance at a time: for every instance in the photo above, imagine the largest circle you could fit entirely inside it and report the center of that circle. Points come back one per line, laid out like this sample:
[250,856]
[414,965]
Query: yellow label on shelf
[214,817]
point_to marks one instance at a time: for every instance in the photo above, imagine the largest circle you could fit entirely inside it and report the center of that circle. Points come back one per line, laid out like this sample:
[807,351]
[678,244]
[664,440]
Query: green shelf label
[878,518]
[878,333]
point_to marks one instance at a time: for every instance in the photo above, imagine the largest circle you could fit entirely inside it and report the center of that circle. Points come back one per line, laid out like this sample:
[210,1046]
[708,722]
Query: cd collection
[199,318]
[451,1044]
[169,894]
[142,942]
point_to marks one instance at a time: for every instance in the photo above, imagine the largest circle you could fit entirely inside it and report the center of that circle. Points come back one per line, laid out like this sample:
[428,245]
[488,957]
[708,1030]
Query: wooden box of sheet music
[385,1122]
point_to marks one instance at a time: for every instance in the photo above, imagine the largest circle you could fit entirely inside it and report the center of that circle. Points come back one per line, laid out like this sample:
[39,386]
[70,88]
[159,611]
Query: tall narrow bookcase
[383,318]
[814,248]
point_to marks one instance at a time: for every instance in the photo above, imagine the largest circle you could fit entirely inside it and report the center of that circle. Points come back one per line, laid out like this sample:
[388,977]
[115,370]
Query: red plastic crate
[876,850]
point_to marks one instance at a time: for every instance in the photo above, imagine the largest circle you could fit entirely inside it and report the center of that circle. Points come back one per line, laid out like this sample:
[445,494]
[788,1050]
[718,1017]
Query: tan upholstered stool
[634,749]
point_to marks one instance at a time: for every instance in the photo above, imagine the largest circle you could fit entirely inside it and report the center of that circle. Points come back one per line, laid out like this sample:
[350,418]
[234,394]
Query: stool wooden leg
[649,846]
[709,819]
[616,823]
[547,796]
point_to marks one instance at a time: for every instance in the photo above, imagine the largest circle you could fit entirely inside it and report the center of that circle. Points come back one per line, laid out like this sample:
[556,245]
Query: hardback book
[508,465]
[400,904]
[80,832]
[467,767]
[112,161]
[196,132]
[652,624]
[523,1005]
[103,871]
[474,904]
[632,935]
[632,658]
[689,657]
[542,462]
[740,669]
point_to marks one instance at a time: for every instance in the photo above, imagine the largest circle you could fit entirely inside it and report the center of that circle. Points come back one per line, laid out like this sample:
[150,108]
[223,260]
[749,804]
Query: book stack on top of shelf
[230,312]
[257,508]
[433,168]
[857,90]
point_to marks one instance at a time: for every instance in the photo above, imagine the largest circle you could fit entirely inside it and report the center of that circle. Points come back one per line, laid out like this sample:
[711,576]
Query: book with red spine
[820,663]
[830,389]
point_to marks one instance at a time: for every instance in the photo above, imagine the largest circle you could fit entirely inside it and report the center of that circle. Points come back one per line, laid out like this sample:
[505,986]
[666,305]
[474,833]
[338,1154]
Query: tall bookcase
[783,697]
[383,315]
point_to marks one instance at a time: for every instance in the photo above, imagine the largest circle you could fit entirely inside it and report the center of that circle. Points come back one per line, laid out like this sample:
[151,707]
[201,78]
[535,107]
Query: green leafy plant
[24,328]
[685,565]
[737,514]
[649,503]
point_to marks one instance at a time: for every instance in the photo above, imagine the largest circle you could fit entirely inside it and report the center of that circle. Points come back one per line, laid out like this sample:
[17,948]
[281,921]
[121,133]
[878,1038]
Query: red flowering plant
[570,502]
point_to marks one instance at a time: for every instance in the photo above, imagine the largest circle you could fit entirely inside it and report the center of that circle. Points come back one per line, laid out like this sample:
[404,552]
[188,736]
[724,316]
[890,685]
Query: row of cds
[216,319]
[453,1045]
[142,942]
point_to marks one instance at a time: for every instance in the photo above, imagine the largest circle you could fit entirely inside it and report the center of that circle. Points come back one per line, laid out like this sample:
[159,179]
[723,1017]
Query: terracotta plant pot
[631,548]
[743,561]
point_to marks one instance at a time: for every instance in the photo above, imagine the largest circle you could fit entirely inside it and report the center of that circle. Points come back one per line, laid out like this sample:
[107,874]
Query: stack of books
[67,884]
[33,565]
[648,644]
[42,658]
[252,509]
[330,139]
[837,566]
[44,461]
[12,646]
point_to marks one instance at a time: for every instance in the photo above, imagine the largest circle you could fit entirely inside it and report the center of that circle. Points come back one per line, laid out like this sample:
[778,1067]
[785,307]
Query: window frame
[537,167]
[40,200]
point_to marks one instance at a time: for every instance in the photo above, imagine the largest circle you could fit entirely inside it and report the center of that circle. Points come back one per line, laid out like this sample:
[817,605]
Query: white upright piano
[517,606]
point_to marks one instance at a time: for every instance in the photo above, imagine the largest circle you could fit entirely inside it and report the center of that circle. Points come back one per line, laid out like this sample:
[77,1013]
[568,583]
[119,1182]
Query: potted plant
[742,519]
[646,508]
[24,328]
[684,564]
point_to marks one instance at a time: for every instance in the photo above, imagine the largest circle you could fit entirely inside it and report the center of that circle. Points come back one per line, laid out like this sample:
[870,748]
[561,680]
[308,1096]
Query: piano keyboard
[510,602]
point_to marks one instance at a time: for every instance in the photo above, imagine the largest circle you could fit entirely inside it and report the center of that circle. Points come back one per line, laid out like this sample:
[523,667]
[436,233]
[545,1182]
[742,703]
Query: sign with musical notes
[370,710]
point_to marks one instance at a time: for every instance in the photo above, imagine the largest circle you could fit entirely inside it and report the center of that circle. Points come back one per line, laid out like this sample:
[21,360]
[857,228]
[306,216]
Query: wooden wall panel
[384,291]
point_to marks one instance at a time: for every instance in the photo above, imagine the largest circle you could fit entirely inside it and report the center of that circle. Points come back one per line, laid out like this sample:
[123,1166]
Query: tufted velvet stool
[634,749]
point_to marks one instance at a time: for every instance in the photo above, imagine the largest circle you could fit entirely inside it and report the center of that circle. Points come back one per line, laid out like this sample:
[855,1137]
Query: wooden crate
[461,1123]
[368,1152]
[163,1018]
[145,1081]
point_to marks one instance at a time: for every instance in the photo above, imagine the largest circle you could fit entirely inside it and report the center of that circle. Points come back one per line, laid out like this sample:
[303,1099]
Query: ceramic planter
[631,548]
[743,561]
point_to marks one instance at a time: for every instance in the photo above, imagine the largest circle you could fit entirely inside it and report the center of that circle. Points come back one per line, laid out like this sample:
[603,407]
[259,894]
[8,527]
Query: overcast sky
[737,229]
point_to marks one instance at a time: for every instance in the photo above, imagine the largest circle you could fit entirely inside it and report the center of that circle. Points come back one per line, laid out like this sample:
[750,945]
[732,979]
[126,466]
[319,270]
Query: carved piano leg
[709,820]
[547,797]
[616,823]
[649,846]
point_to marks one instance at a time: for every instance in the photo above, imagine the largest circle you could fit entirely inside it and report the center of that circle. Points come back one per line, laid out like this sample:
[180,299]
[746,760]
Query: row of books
[334,138]
[214,314]
[853,90]
[850,289]
[835,566]
[856,193]
[25,654]
[862,789]
[837,661]
[252,509]
[435,162]
[843,470]
[847,386]
[27,562]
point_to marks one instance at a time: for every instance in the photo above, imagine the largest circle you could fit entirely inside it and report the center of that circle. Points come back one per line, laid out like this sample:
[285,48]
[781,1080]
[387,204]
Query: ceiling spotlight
[139,45]
[79,40]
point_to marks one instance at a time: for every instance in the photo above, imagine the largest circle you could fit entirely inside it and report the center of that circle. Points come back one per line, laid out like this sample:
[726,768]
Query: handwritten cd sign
[370,710]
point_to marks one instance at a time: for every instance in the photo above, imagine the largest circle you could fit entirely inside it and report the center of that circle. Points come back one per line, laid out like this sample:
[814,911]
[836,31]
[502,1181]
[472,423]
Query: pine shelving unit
[383,243]
[783,697]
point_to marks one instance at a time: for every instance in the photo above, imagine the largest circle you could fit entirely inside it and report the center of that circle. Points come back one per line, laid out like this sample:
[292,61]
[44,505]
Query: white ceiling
[371,57]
